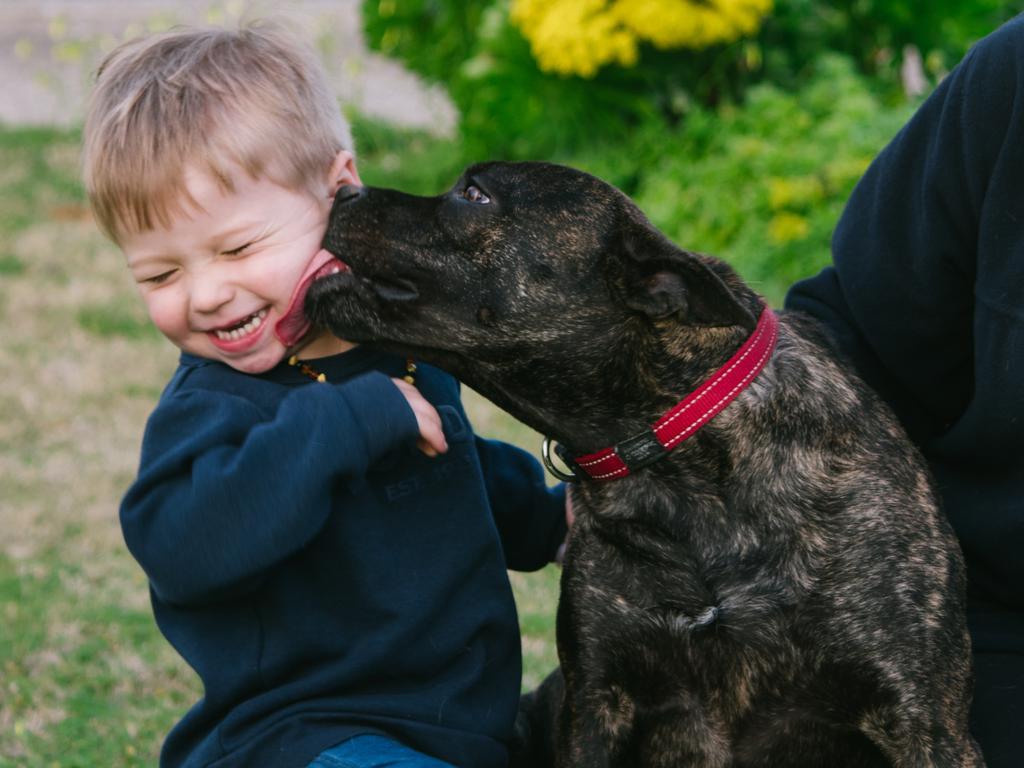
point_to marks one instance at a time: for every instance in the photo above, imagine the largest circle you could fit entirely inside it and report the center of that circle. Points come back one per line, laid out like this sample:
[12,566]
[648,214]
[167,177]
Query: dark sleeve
[223,493]
[899,298]
[530,516]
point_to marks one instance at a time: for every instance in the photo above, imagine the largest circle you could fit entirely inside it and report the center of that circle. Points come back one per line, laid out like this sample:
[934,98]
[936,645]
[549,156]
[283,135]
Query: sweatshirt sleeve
[225,492]
[529,515]
[900,295]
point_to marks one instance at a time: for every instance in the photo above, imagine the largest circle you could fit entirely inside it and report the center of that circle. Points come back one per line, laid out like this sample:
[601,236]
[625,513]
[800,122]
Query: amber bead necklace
[313,373]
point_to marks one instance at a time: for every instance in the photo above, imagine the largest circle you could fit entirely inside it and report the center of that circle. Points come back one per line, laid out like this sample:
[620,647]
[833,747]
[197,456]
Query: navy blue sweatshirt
[321,575]
[926,295]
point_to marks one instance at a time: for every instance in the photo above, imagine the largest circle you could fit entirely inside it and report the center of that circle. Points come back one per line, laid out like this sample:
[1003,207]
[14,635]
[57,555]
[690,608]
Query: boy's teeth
[250,325]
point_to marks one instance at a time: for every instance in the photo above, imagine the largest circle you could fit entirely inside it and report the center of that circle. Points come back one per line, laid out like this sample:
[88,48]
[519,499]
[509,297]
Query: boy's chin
[259,362]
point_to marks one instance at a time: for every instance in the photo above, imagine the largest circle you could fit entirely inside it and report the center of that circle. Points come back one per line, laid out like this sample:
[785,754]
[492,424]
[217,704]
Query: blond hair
[210,99]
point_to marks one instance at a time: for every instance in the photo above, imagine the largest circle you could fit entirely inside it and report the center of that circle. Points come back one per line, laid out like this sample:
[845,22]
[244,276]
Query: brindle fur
[781,589]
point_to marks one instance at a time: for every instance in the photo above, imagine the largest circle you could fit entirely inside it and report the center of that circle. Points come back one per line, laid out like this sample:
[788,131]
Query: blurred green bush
[762,186]
[511,108]
[875,32]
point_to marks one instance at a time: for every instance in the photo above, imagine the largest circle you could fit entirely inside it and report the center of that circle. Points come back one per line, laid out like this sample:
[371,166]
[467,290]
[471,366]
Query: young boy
[340,593]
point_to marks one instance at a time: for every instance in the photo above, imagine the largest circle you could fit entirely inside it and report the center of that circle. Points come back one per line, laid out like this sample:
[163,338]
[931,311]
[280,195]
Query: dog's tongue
[293,325]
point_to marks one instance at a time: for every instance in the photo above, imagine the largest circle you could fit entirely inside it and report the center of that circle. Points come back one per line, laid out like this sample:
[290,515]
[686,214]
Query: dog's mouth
[370,291]
[364,280]
[391,288]
[294,324]
[331,276]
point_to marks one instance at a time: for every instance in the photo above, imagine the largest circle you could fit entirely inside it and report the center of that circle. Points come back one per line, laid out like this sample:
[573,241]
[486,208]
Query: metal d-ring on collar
[545,453]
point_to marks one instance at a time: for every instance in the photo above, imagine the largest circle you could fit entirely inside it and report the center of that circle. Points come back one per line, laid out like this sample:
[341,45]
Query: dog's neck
[689,415]
[636,378]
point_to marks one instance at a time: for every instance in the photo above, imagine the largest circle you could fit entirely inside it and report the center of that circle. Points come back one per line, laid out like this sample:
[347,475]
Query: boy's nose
[207,296]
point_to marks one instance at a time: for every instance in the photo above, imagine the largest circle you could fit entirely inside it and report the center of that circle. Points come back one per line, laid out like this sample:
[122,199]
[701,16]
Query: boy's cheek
[168,319]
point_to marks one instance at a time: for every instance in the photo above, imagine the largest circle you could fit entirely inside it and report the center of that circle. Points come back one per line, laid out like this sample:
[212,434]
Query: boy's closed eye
[239,250]
[158,279]
[163,277]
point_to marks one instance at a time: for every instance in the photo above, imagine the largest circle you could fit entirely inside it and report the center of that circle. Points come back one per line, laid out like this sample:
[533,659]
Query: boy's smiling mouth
[240,336]
[243,328]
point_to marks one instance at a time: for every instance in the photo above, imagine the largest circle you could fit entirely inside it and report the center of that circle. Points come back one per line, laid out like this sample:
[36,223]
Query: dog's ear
[661,279]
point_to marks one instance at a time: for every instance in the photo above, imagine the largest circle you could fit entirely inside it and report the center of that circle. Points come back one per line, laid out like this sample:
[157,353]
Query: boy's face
[217,280]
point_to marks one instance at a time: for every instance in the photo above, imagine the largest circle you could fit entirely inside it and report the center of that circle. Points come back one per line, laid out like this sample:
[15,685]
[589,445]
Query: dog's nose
[347,193]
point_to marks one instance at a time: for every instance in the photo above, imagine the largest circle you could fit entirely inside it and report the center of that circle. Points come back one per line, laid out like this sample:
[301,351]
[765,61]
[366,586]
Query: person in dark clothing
[326,540]
[926,297]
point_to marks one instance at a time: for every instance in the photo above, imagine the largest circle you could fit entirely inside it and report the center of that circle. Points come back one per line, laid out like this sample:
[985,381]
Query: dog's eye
[474,194]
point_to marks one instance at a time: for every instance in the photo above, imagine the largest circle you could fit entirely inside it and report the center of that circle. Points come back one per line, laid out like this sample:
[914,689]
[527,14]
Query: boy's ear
[342,172]
[661,280]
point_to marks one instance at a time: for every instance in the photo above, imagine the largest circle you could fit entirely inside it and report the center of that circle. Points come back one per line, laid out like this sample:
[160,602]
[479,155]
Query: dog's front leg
[595,726]
[595,720]
[533,743]
[915,740]
[579,741]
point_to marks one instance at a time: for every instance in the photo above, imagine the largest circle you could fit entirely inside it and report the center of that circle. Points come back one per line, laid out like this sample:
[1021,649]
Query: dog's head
[525,280]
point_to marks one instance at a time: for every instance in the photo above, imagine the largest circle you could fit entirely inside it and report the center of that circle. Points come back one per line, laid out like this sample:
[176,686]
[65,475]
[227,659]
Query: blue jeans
[374,752]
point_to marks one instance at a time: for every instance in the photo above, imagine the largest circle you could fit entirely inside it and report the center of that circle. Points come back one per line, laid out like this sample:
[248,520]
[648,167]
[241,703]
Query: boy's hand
[431,440]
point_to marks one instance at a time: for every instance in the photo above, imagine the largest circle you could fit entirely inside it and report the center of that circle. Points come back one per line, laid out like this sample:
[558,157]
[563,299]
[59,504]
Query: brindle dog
[779,590]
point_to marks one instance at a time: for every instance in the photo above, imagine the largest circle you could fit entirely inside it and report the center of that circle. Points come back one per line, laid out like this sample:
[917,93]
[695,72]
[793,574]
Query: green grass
[119,320]
[83,668]
[11,265]
[86,679]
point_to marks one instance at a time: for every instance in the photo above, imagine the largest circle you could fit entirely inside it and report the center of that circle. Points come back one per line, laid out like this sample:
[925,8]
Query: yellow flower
[573,37]
[578,37]
[786,227]
[843,172]
[794,192]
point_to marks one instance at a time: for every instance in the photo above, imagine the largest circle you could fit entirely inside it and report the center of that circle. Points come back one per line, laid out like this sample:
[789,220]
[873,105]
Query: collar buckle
[640,450]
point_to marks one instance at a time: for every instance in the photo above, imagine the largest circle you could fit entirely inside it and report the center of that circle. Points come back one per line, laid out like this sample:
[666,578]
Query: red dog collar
[696,410]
